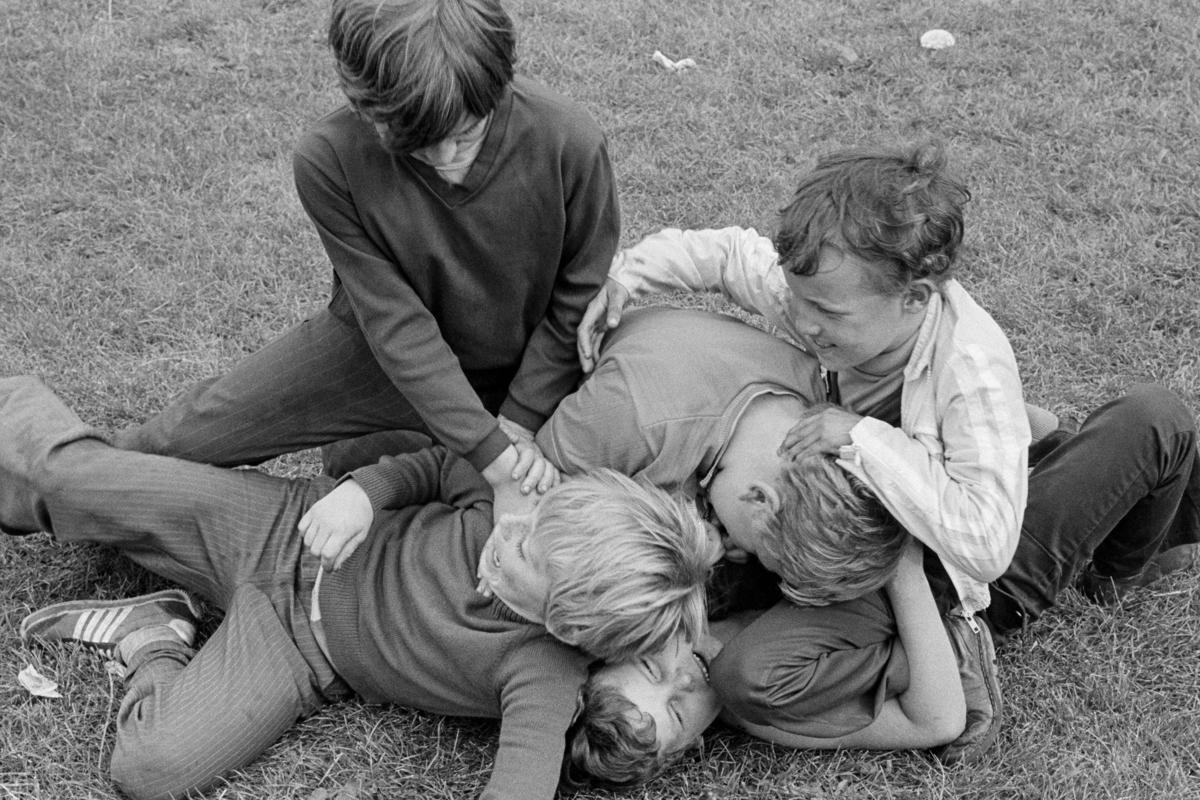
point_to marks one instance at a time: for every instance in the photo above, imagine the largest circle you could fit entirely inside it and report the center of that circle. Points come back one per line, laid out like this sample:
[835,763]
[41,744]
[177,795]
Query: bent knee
[148,770]
[1154,406]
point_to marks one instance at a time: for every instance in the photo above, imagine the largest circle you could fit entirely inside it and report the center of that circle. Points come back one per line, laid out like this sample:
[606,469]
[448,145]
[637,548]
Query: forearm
[967,508]
[933,703]
[404,480]
[734,261]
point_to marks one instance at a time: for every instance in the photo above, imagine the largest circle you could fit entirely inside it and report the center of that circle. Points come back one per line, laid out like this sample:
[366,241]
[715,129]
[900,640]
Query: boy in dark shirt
[468,216]
[604,563]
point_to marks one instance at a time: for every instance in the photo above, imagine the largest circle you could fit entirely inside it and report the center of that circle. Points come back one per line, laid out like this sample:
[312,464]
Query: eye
[651,668]
[521,549]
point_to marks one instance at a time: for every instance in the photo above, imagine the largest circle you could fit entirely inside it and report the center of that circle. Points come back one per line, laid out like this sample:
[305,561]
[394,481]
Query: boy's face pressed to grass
[845,320]
[670,685]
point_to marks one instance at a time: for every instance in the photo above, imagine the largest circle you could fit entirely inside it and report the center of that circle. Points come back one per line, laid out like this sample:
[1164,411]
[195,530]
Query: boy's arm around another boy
[737,262]
[931,710]
[955,473]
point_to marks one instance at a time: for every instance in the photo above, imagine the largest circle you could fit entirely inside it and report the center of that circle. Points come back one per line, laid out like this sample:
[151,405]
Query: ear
[513,525]
[762,497]
[917,293]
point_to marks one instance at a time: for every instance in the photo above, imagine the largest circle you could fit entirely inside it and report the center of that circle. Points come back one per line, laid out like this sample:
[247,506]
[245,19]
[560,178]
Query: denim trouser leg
[1113,494]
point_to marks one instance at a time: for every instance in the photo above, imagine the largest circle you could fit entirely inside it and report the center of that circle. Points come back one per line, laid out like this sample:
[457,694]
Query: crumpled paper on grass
[672,66]
[38,684]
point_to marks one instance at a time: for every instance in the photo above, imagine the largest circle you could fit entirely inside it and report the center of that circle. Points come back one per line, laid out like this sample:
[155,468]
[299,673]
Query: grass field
[150,235]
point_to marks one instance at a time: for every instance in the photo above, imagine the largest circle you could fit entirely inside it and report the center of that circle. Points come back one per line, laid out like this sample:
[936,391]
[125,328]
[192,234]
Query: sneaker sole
[50,614]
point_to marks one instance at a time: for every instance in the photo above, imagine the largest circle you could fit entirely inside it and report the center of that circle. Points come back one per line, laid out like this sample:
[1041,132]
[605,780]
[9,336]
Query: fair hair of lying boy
[399,622]
[640,716]
[807,520]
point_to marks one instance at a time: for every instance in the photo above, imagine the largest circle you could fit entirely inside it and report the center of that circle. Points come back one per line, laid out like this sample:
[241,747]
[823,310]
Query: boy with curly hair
[861,274]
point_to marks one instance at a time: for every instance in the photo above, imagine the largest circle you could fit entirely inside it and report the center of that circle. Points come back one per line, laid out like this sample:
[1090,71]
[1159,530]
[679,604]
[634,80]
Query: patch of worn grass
[150,235]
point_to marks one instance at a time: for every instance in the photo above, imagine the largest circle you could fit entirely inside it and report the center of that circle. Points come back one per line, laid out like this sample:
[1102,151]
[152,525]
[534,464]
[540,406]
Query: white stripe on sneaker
[77,631]
[116,616]
[97,619]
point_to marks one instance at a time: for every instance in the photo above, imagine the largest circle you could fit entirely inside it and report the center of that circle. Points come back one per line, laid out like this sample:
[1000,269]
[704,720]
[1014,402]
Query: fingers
[617,297]
[348,548]
[586,337]
[603,314]
[550,478]
[528,468]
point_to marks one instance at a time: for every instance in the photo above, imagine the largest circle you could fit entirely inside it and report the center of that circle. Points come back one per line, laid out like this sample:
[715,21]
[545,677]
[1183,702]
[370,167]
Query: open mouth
[703,662]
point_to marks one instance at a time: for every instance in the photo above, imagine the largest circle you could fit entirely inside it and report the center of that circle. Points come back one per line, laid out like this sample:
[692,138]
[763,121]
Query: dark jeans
[228,535]
[1122,488]
[316,384]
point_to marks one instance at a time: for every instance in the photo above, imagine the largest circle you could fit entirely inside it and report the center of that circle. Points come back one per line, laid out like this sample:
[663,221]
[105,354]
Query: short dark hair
[420,66]
[899,207]
[612,742]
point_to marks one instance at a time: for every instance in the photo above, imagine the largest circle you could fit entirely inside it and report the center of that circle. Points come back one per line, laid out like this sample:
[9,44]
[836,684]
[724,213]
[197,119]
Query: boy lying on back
[605,564]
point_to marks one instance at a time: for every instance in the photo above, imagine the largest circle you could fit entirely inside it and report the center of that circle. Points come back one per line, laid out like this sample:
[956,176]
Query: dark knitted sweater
[404,623]
[472,287]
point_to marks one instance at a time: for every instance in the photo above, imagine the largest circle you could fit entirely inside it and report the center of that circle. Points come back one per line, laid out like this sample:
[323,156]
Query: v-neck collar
[453,194]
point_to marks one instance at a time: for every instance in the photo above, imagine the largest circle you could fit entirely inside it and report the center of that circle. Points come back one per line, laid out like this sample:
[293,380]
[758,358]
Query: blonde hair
[627,562]
[832,537]
[420,66]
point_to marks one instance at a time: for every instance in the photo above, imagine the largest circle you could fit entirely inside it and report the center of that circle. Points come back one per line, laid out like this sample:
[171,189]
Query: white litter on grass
[672,66]
[937,39]
[38,684]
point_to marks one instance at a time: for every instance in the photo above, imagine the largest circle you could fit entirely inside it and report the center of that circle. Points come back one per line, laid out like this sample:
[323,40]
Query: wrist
[499,471]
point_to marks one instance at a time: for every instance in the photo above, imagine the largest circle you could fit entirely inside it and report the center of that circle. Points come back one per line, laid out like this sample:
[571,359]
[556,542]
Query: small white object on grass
[937,39]
[38,684]
[672,66]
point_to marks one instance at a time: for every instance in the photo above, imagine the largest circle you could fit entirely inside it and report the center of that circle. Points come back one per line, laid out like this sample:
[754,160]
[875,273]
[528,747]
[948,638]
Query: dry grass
[149,236]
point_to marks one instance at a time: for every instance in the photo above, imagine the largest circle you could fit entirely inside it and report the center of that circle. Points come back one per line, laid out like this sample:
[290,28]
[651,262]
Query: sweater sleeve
[537,699]
[549,368]
[425,476]
[401,332]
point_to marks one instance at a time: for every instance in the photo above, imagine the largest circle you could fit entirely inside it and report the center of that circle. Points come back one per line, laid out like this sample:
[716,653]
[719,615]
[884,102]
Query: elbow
[946,729]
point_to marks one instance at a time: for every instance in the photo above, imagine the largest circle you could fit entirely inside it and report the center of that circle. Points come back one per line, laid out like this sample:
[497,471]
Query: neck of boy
[896,357]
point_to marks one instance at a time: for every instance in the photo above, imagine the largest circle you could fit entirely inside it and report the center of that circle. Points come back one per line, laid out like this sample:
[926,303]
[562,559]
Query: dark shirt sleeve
[537,702]
[549,368]
[820,672]
[425,476]
[402,333]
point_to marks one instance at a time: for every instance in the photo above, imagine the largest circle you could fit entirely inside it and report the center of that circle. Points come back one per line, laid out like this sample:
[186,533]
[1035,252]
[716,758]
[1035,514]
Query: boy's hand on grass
[602,315]
[823,431]
[532,470]
[337,524]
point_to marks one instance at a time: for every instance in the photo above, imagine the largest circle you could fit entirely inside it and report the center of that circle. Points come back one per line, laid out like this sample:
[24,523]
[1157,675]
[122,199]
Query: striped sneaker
[102,624]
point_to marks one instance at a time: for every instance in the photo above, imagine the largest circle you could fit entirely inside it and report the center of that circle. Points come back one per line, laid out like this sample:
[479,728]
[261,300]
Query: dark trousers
[227,535]
[316,384]
[1122,488]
